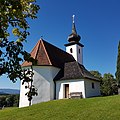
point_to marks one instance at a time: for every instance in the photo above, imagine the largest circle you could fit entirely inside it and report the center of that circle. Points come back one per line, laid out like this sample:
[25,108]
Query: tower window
[79,51]
[71,50]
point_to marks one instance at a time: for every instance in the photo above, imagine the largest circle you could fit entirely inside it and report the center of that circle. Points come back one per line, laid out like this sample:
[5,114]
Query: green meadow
[98,108]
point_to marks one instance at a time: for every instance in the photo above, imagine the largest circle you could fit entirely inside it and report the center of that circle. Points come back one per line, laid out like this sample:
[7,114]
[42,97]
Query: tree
[109,85]
[14,15]
[16,101]
[97,74]
[2,101]
[10,100]
[117,74]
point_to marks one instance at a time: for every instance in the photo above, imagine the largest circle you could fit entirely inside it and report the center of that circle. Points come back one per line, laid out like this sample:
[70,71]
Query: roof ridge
[37,45]
[93,77]
[56,47]
[79,67]
[37,49]
[42,41]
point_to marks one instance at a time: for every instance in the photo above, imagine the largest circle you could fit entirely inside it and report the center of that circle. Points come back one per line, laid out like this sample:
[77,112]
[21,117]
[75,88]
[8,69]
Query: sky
[97,22]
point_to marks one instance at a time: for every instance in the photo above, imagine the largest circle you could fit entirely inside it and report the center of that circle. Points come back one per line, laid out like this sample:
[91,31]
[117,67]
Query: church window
[71,50]
[79,51]
[93,86]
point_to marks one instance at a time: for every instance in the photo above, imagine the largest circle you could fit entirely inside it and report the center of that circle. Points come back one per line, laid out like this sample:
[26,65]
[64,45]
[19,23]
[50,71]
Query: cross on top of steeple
[73,17]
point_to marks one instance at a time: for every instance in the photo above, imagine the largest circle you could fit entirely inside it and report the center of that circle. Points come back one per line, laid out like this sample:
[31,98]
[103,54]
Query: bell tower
[74,47]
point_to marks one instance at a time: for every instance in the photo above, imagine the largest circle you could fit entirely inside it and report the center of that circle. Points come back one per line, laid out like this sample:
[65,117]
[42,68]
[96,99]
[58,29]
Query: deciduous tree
[109,85]
[14,15]
[96,74]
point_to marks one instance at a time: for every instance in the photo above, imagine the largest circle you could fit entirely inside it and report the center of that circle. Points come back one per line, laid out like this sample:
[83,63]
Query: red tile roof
[47,54]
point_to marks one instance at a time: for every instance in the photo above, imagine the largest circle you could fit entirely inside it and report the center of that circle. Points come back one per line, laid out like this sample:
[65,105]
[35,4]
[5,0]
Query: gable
[42,56]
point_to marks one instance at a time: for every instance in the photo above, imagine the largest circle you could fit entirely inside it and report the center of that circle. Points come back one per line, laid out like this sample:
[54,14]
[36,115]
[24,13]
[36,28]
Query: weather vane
[73,18]
[41,37]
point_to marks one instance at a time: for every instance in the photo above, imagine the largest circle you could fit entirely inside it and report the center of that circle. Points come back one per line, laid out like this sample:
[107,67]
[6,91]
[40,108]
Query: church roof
[74,70]
[48,54]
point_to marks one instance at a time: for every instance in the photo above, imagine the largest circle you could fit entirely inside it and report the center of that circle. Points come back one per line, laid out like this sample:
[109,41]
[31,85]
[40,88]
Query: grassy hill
[100,108]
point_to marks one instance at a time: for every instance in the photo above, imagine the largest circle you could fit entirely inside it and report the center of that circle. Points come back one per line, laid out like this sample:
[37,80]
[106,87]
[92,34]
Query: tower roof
[73,37]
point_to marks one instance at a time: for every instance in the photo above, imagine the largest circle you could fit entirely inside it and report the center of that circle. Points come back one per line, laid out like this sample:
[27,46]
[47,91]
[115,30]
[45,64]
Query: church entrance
[66,90]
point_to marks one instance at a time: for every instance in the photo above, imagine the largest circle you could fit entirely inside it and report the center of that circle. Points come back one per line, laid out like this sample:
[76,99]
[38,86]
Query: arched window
[71,50]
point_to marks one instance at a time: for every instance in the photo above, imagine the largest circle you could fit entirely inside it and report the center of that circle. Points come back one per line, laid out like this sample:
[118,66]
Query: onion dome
[73,37]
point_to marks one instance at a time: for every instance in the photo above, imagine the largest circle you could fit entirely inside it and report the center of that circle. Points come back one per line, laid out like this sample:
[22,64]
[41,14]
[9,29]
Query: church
[60,74]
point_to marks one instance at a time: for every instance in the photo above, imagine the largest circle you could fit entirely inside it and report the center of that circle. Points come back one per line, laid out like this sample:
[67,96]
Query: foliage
[118,66]
[96,74]
[14,15]
[99,108]
[9,100]
[109,85]
[2,101]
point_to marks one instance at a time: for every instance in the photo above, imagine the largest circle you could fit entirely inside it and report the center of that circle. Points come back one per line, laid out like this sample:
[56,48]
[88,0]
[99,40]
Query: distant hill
[9,91]
[1,93]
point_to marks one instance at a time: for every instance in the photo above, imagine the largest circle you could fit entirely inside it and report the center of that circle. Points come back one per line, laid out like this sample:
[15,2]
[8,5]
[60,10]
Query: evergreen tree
[118,66]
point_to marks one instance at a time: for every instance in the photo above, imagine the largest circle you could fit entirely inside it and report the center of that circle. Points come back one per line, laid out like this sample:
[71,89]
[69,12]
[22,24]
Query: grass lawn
[99,108]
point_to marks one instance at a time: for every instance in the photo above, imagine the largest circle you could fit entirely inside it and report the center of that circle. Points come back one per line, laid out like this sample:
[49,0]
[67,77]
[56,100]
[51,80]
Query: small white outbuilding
[59,74]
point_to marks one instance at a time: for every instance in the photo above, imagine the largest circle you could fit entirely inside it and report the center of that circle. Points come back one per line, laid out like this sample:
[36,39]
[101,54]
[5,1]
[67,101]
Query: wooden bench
[75,95]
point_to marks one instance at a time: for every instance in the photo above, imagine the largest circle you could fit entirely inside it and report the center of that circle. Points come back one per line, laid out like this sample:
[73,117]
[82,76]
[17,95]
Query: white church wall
[80,54]
[23,101]
[76,52]
[23,98]
[92,91]
[53,71]
[74,86]
[43,81]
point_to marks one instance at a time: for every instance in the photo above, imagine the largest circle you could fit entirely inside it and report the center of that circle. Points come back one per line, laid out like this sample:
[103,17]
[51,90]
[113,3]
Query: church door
[66,90]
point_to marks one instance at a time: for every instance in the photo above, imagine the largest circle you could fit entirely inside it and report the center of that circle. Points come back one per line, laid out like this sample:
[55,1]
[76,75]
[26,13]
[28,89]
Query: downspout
[85,87]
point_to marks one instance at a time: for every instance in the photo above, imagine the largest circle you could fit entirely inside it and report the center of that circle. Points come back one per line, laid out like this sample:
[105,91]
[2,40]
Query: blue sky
[97,22]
